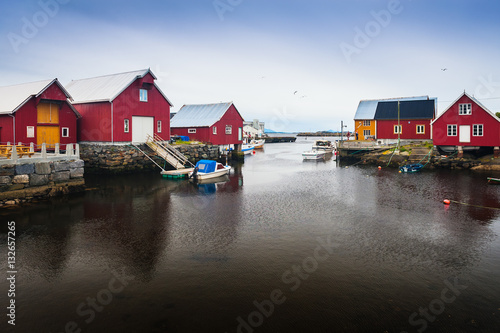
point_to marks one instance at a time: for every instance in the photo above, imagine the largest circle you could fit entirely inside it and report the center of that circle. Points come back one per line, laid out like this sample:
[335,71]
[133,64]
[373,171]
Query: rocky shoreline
[434,160]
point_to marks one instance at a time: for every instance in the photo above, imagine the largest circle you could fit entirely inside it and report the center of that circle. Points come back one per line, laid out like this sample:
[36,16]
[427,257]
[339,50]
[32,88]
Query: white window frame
[367,122]
[126,125]
[191,130]
[476,129]
[465,109]
[423,129]
[229,129]
[30,131]
[367,133]
[398,129]
[65,129]
[143,95]
[214,130]
[158,126]
[451,129]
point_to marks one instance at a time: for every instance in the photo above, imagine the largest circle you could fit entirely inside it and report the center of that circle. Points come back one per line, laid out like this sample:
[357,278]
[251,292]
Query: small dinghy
[494,181]
[411,168]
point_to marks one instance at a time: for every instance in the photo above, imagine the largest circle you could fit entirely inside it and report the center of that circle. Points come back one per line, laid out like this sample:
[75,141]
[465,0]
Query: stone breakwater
[25,182]
[127,158]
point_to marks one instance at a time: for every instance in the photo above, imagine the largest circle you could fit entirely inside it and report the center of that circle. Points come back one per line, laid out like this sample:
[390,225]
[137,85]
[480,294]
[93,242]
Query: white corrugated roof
[105,88]
[13,97]
[199,115]
[367,108]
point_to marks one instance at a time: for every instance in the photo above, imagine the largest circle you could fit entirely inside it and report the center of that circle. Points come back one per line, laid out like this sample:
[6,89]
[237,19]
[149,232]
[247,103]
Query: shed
[37,112]
[407,120]
[219,124]
[364,119]
[466,123]
[121,108]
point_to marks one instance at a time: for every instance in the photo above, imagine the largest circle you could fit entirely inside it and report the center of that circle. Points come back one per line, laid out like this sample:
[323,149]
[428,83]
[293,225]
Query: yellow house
[364,120]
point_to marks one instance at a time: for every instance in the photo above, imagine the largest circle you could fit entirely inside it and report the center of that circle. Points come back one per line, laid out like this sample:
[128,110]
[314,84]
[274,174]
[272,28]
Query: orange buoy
[446,201]
[379,167]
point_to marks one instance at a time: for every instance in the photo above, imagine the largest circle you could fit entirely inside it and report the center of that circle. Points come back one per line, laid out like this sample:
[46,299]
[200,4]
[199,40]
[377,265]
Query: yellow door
[47,134]
[48,113]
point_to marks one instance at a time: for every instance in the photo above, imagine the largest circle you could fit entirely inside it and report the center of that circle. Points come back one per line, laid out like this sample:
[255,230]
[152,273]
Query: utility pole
[341,130]
[399,128]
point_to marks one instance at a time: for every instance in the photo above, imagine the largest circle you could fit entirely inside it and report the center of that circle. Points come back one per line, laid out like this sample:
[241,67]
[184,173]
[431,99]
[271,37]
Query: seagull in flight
[295,92]
[444,69]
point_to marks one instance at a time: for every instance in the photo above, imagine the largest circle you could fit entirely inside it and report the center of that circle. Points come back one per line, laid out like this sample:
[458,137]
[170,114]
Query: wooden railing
[15,152]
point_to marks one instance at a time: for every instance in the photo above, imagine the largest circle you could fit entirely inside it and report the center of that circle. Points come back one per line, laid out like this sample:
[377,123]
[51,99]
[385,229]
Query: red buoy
[446,201]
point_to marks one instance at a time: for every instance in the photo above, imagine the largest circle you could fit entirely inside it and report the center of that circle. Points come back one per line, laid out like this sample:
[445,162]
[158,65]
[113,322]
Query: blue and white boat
[247,149]
[411,168]
[206,169]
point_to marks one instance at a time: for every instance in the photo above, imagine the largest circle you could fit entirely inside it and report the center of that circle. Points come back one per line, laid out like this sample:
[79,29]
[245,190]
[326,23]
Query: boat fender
[379,167]
[446,201]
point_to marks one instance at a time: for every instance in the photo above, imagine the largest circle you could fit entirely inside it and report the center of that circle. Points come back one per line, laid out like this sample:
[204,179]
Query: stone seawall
[435,161]
[26,181]
[127,158]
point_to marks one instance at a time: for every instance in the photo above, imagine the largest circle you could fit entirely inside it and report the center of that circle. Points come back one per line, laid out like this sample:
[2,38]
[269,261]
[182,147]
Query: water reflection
[202,253]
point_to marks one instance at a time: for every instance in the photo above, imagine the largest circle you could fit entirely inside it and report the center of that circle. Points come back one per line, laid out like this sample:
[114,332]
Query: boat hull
[210,175]
[313,155]
[493,181]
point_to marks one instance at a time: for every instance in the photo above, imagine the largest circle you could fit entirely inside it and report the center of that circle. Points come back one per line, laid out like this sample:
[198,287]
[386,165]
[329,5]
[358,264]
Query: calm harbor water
[282,246]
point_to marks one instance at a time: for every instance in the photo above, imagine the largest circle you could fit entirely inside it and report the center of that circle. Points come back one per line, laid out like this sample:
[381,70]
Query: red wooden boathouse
[407,119]
[466,123]
[121,108]
[38,112]
[218,124]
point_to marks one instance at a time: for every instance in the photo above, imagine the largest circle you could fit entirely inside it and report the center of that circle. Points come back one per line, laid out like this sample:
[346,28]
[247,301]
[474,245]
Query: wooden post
[57,149]
[44,150]
[13,155]
[460,152]
[69,149]
[77,150]
[496,152]
[32,147]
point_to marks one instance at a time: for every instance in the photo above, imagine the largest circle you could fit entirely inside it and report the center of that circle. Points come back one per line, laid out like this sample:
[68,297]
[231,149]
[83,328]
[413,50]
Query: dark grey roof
[407,110]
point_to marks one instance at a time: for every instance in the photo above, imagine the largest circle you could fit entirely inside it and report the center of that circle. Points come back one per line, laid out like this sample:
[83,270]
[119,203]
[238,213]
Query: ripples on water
[201,255]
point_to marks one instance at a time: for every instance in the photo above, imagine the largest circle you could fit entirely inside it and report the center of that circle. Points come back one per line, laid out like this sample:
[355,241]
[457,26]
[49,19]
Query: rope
[466,204]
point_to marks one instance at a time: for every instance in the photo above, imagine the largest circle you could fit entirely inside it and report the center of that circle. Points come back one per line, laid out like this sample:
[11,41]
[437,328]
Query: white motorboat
[323,145]
[206,169]
[247,149]
[315,155]
[258,143]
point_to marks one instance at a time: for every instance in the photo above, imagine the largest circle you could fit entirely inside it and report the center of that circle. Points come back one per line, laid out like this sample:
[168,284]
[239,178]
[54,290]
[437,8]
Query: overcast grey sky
[297,65]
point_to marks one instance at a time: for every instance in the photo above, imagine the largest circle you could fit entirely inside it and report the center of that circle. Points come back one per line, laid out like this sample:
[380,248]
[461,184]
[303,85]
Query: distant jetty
[277,139]
[319,134]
